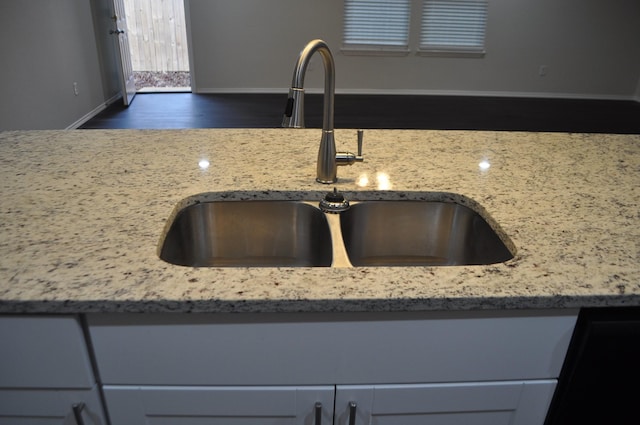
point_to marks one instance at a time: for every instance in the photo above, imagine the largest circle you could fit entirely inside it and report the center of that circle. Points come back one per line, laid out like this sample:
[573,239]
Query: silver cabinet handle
[352,413]
[318,413]
[77,413]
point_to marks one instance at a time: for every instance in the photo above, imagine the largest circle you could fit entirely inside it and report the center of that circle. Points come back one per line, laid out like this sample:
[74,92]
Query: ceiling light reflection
[363,180]
[203,164]
[384,181]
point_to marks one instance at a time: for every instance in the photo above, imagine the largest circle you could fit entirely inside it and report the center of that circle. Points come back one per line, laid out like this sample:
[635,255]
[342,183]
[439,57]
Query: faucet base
[326,181]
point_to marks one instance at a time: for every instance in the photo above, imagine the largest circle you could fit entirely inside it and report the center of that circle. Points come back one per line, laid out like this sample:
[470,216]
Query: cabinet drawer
[50,406]
[218,405]
[314,349]
[477,403]
[43,352]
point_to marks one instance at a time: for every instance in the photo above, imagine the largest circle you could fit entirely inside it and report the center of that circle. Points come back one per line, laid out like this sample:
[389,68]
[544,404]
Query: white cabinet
[46,375]
[480,403]
[485,403]
[219,405]
[51,407]
[398,368]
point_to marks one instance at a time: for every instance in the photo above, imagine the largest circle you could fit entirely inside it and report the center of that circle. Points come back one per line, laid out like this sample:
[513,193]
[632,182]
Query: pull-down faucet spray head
[294,112]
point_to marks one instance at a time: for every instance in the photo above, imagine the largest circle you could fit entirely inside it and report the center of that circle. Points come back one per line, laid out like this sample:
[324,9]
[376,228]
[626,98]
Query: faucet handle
[348,158]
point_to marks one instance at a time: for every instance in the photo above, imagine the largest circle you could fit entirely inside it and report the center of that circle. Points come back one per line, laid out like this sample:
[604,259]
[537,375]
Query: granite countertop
[82,212]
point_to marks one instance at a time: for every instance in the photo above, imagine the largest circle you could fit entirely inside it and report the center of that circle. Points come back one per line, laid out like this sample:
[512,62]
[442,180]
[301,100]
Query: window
[447,27]
[453,26]
[376,26]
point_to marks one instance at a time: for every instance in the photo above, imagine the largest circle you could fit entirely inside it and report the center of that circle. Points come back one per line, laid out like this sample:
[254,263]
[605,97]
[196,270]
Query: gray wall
[46,46]
[589,46]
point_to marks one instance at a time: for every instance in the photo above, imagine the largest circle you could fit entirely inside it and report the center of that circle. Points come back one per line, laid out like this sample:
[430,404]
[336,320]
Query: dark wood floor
[187,110]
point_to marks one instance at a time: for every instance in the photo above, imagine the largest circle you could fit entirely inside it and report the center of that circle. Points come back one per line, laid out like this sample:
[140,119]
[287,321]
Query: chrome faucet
[328,159]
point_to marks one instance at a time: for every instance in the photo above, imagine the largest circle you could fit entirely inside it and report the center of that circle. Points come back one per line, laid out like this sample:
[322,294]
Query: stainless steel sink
[419,233]
[252,233]
[248,234]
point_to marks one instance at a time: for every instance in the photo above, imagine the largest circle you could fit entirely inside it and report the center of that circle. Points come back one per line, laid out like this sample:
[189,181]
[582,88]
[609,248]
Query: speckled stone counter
[82,212]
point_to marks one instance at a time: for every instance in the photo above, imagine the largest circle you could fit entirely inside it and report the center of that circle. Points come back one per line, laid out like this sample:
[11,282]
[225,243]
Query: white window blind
[453,26]
[381,25]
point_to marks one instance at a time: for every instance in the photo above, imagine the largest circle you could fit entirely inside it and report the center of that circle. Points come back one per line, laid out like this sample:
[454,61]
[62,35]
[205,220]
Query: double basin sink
[296,233]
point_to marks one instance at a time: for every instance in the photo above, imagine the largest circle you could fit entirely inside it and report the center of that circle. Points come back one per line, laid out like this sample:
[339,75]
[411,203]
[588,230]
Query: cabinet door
[43,352]
[50,407]
[161,405]
[484,403]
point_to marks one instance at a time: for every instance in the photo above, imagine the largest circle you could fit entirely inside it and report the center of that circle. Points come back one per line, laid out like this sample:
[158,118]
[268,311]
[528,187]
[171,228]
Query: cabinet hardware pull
[318,413]
[77,413]
[352,413]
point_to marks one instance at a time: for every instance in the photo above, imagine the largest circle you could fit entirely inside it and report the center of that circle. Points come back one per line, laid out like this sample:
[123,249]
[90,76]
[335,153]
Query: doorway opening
[157,36]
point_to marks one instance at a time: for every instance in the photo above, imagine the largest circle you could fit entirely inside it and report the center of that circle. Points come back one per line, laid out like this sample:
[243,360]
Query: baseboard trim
[95,111]
[542,95]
